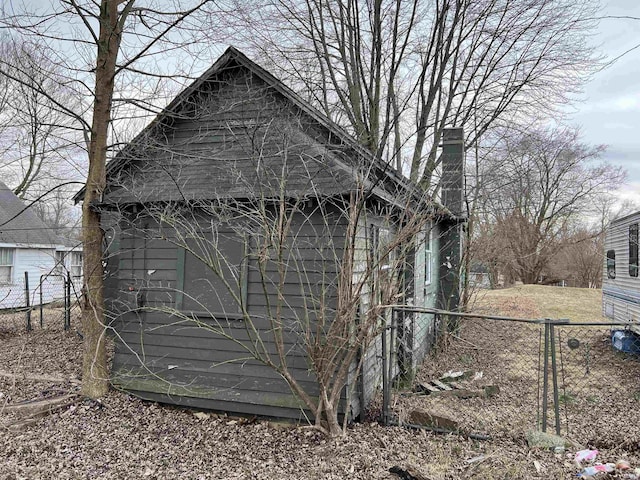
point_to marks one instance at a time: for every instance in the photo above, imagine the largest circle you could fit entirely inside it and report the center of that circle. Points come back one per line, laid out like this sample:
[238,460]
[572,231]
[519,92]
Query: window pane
[611,263]
[5,275]
[6,256]
[427,269]
[633,250]
[59,259]
[428,235]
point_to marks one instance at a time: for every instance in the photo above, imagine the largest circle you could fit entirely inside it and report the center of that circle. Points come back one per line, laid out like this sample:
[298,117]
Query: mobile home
[621,284]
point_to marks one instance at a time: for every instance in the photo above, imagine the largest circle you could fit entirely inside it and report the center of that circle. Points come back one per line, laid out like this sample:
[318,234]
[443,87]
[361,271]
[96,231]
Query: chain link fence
[490,376]
[45,300]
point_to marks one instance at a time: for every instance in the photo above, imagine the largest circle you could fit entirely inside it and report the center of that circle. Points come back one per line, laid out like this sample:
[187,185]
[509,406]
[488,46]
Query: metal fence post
[554,372]
[545,377]
[67,302]
[392,360]
[41,302]
[385,379]
[27,300]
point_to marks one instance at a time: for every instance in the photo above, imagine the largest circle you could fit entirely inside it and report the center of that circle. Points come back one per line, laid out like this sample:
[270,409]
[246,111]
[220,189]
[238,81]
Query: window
[427,258]
[422,269]
[6,265]
[633,250]
[59,269]
[76,264]
[611,263]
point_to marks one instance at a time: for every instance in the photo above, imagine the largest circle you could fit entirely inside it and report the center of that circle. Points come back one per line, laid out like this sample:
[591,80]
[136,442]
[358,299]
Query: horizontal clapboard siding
[422,325]
[204,356]
[231,135]
[371,369]
[243,139]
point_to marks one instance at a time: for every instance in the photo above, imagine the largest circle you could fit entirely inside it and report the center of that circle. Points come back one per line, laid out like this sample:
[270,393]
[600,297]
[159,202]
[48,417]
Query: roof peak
[19,223]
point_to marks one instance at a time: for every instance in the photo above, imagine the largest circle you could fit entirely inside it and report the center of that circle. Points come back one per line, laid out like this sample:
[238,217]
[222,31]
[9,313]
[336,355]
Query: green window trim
[180,257]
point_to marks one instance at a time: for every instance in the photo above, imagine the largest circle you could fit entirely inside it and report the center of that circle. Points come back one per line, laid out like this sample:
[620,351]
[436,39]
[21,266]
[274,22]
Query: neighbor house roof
[333,162]
[19,224]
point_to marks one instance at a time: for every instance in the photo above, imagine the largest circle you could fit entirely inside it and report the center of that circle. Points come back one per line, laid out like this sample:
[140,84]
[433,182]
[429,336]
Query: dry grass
[124,437]
[599,393]
[576,304]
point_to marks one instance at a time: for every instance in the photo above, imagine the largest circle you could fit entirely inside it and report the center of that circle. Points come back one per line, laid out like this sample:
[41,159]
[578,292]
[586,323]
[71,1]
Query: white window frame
[428,240]
[59,259]
[74,267]
[7,261]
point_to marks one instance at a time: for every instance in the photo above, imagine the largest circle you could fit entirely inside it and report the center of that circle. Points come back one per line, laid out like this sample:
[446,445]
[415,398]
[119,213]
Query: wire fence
[45,300]
[501,376]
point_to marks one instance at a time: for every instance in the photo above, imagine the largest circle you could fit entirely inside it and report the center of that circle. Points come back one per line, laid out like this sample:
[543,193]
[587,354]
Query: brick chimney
[452,182]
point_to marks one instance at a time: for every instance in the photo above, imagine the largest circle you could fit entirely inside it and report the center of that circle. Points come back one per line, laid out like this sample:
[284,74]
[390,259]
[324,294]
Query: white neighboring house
[28,245]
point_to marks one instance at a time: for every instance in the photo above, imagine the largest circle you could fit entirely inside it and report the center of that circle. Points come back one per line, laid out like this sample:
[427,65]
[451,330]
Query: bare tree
[112,38]
[396,73]
[38,143]
[579,259]
[535,187]
[334,326]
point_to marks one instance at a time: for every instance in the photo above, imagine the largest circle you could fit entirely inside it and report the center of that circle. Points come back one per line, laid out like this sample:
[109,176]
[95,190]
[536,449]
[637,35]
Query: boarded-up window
[611,264]
[214,274]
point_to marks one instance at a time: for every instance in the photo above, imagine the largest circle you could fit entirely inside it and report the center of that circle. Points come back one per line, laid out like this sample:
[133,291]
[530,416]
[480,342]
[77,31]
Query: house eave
[39,246]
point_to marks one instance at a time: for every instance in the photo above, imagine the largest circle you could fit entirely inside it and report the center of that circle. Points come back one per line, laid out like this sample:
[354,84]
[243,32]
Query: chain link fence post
[42,277]
[67,301]
[27,301]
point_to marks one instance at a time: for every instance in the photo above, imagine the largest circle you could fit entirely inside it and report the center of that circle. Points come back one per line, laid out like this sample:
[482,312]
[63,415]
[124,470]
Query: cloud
[629,193]
[626,103]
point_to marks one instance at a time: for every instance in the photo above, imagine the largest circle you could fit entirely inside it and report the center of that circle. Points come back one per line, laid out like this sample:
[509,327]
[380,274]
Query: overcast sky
[610,113]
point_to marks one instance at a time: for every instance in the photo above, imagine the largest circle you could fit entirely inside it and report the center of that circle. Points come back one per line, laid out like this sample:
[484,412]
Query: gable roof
[19,225]
[335,174]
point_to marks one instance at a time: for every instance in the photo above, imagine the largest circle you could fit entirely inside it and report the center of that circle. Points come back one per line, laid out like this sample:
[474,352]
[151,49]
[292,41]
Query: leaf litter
[125,437]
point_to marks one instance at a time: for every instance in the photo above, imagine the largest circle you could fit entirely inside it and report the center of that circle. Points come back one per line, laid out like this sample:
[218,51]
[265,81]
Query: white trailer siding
[620,289]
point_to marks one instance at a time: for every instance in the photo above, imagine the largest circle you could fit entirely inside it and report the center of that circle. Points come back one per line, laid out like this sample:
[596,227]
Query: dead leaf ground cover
[599,388]
[124,437]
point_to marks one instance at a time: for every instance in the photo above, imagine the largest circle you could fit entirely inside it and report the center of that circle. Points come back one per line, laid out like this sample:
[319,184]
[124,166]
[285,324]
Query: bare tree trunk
[95,379]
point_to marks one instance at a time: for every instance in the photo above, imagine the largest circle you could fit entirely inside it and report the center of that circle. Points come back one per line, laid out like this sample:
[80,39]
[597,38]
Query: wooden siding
[236,133]
[209,358]
[237,138]
[421,326]
[621,295]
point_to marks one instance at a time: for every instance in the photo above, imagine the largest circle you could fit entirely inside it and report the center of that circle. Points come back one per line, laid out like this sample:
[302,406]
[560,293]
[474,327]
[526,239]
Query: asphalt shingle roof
[20,225]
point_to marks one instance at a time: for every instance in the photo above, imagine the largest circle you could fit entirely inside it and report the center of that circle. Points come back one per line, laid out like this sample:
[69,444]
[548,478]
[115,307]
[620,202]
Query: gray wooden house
[189,212]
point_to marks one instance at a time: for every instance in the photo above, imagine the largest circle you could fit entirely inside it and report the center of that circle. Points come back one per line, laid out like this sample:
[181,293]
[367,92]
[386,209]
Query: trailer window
[633,250]
[611,263]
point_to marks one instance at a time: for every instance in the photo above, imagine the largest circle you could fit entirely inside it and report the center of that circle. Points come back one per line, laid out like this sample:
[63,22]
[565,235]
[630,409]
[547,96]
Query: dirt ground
[124,437]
